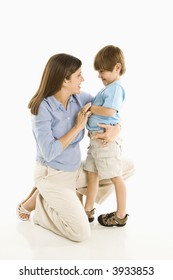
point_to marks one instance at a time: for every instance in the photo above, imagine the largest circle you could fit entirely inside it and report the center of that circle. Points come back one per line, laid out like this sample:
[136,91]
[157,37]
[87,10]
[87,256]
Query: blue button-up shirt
[51,123]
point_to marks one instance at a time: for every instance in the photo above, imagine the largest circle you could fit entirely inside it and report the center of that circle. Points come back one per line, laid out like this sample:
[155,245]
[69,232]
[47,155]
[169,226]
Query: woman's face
[75,81]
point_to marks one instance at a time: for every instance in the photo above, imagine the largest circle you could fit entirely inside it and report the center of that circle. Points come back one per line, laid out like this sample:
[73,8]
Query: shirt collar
[115,82]
[55,104]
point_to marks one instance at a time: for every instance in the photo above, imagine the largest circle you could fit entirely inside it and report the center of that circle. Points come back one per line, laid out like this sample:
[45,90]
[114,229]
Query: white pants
[58,208]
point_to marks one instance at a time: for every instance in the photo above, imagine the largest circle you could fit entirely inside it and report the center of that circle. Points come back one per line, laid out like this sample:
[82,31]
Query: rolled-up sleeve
[48,146]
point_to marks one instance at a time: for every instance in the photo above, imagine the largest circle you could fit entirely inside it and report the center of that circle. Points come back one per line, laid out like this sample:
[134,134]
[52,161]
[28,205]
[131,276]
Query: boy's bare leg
[92,190]
[120,189]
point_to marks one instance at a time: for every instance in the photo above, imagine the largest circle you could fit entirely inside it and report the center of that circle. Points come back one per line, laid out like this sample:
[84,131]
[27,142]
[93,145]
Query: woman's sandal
[90,215]
[20,210]
[111,219]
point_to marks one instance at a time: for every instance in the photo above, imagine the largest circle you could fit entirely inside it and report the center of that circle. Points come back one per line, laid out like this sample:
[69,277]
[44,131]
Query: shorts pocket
[104,153]
[112,150]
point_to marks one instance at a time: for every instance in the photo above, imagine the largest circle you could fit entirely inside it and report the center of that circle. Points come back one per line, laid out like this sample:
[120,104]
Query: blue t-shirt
[112,97]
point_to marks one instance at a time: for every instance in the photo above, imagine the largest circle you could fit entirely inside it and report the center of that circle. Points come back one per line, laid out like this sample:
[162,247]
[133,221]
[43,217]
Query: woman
[59,114]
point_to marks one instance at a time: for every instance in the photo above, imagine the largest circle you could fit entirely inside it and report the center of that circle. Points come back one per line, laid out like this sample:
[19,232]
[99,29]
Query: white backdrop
[33,30]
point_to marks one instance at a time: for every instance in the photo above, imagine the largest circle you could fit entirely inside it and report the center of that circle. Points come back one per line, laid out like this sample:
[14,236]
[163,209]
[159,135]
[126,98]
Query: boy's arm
[102,111]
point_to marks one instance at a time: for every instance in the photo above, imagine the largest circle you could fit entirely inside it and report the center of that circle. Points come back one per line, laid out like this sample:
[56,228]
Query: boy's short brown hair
[108,57]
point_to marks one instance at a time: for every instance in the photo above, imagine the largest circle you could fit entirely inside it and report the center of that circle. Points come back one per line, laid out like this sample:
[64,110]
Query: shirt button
[68,118]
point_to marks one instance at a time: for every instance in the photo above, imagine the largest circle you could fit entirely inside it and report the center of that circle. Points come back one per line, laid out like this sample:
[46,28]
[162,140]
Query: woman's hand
[110,134]
[83,116]
[81,121]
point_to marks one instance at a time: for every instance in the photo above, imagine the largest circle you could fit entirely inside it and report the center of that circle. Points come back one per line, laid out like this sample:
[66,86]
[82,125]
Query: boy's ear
[118,66]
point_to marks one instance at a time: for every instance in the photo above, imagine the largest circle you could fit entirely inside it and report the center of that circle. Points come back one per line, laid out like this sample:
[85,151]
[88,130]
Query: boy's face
[109,77]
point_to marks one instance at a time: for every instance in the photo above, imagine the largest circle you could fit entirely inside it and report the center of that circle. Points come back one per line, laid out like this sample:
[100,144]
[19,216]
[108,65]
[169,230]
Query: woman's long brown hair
[59,67]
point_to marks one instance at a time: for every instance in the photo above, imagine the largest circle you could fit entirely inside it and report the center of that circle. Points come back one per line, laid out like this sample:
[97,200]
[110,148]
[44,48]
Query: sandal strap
[22,210]
[90,213]
[111,219]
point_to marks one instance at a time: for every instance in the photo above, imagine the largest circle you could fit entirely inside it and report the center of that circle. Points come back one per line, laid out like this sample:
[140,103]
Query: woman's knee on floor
[83,233]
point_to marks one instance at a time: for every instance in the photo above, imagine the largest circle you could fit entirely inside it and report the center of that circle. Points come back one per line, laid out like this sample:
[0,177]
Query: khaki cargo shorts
[104,160]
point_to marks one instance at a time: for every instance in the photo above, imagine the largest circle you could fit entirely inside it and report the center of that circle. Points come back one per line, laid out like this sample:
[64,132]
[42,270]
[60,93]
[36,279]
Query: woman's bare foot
[25,208]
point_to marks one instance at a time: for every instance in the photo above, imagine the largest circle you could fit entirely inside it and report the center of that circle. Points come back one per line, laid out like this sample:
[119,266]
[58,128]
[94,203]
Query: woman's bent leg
[58,208]
[106,187]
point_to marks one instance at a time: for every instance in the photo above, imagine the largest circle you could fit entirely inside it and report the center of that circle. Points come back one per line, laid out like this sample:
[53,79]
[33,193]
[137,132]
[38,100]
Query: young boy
[104,161]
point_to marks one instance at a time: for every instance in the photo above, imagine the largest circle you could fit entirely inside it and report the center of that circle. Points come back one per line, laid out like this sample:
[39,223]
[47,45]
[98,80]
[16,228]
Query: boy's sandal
[20,210]
[90,215]
[111,219]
